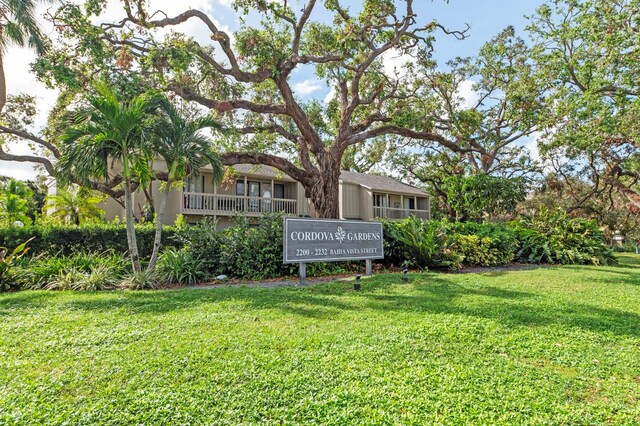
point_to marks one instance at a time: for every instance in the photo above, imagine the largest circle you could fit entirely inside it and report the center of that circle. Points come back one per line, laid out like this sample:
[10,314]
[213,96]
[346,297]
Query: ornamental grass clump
[140,280]
[180,267]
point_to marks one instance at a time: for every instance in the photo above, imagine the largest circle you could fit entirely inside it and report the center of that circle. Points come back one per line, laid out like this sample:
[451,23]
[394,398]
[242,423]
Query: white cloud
[329,97]
[532,145]
[306,87]
[395,63]
[22,171]
[467,95]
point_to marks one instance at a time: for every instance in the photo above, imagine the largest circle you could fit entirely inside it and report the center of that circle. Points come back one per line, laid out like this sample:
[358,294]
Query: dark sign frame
[373,227]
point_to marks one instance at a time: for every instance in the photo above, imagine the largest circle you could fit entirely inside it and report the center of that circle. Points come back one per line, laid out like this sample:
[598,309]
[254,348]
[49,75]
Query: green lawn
[544,346]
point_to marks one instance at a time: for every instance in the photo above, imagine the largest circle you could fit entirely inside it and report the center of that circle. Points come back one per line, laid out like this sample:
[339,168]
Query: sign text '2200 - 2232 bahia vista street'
[322,240]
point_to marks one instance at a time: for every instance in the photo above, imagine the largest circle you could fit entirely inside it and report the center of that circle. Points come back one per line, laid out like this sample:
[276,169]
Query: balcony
[398,213]
[232,205]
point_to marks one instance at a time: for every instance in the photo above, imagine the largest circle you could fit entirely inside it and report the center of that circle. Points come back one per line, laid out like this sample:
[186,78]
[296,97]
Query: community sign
[326,240]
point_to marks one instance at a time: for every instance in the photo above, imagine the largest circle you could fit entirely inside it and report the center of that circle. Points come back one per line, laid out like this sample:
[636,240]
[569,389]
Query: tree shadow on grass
[22,300]
[431,294]
[440,295]
[513,308]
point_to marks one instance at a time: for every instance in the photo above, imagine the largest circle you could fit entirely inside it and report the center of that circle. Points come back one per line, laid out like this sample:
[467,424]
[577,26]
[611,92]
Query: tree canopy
[573,81]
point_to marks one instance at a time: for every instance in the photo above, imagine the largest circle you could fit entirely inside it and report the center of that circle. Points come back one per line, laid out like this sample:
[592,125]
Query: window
[278,190]
[410,203]
[254,193]
[380,200]
[240,187]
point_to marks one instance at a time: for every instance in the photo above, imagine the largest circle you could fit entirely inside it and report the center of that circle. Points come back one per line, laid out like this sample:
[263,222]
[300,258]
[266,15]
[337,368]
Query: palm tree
[75,207]
[111,136]
[180,142]
[18,25]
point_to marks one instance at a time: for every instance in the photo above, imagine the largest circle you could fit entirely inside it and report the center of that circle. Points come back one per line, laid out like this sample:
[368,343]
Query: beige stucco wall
[112,209]
[366,204]
[350,201]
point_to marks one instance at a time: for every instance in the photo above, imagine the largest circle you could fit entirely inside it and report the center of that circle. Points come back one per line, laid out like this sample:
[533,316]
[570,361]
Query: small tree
[109,136]
[75,206]
[14,203]
[180,142]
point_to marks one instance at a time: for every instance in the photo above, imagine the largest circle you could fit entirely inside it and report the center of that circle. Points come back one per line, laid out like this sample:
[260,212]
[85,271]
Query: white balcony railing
[398,213]
[215,204]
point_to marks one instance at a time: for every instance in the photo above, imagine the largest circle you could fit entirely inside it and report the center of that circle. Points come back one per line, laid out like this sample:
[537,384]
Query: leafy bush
[65,280]
[254,252]
[549,237]
[204,242]
[56,240]
[7,261]
[554,237]
[180,267]
[420,243]
[246,251]
[494,244]
[101,277]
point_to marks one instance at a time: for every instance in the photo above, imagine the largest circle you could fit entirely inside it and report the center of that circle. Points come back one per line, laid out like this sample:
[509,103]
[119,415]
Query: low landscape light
[405,278]
[356,285]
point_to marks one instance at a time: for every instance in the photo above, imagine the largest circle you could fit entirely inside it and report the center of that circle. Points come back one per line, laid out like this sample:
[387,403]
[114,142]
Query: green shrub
[549,237]
[8,259]
[143,280]
[253,252]
[476,251]
[65,280]
[101,277]
[247,251]
[55,240]
[180,267]
[38,273]
[420,243]
[554,237]
[495,244]
[204,242]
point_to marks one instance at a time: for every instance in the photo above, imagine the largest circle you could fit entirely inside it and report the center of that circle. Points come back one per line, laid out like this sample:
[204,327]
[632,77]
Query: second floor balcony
[199,203]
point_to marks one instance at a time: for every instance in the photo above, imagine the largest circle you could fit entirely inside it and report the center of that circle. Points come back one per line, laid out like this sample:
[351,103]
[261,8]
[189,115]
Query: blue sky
[486,17]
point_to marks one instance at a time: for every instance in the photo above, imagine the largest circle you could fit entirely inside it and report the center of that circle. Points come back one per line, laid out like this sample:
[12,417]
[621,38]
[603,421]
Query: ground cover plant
[544,346]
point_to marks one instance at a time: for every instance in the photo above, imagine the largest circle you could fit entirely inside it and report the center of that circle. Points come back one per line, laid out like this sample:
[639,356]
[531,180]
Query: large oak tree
[588,53]
[247,77]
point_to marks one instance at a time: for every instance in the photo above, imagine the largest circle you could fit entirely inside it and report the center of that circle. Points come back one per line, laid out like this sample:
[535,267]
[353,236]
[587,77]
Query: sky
[485,17]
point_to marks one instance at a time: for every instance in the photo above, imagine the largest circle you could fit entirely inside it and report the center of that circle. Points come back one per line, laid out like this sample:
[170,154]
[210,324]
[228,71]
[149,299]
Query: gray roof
[380,183]
[262,171]
[374,182]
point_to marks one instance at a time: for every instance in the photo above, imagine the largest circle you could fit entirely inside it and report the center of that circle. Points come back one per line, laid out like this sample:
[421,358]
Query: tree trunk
[325,193]
[159,218]
[3,84]
[128,211]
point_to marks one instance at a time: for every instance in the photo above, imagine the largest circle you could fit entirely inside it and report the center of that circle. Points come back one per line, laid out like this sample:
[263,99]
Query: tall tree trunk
[159,218]
[325,193]
[3,84]
[128,212]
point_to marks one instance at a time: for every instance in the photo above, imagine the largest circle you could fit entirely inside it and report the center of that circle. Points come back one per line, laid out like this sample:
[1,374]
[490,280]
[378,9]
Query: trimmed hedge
[61,240]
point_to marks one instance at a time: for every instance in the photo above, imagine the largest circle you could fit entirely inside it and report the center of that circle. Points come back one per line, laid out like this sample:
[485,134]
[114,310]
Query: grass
[544,346]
